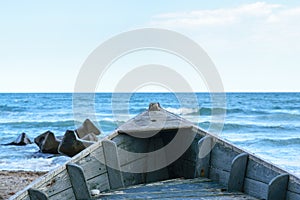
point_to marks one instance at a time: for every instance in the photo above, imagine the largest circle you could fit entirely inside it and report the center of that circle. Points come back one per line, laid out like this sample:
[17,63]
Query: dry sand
[14,181]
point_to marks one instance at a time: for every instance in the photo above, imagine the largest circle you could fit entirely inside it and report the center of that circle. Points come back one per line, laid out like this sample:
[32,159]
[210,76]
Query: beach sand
[13,181]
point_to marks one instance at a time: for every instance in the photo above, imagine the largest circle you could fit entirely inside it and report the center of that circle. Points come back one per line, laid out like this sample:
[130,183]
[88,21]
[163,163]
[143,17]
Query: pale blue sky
[255,45]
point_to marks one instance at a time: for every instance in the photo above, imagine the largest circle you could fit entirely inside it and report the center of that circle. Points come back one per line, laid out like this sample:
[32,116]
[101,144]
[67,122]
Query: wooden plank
[292,196]
[182,168]
[258,171]
[294,185]
[100,182]
[37,195]
[134,172]
[66,194]
[154,161]
[175,189]
[255,188]
[154,120]
[91,164]
[237,172]
[183,194]
[277,187]
[133,178]
[203,158]
[130,147]
[113,165]
[78,181]
[219,176]
[222,156]
[56,184]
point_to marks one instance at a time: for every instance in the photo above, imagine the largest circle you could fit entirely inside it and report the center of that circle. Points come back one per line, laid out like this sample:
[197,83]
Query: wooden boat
[128,164]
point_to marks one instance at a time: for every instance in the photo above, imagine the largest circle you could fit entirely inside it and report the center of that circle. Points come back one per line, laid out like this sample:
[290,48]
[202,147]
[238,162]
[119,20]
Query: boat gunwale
[196,129]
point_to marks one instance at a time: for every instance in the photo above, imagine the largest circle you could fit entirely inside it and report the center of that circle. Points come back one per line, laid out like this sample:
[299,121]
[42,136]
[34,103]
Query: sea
[265,124]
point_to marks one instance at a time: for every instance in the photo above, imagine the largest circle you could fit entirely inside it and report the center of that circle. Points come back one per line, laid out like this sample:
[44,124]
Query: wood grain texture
[176,189]
[256,188]
[78,181]
[278,187]
[112,164]
[57,184]
[222,157]
[237,172]
[204,147]
[260,172]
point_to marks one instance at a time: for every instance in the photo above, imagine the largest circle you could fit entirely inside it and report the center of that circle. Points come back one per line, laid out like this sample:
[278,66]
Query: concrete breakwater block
[47,142]
[22,139]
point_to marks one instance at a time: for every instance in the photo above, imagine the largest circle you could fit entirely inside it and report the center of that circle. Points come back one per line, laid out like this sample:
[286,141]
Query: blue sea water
[266,124]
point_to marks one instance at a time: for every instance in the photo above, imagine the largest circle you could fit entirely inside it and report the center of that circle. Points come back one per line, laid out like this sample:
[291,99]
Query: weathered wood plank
[66,194]
[78,181]
[277,187]
[219,176]
[113,165]
[92,164]
[184,194]
[294,185]
[182,168]
[222,156]
[100,182]
[139,165]
[58,183]
[203,158]
[126,157]
[131,144]
[154,120]
[237,172]
[135,171]
[155,161]
[37,195]
[133,178]
[178,188]
[258,171]
[255,188]
[292,196]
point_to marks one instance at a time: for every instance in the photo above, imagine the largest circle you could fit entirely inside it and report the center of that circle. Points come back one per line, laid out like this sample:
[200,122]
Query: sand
[13,181]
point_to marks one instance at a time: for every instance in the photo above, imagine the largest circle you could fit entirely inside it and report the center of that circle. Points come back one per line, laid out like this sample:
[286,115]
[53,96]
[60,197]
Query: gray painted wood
[155,161]
[37,195]
[176,189]
[292,196]
[294,185]
[78,181]
[66,194]
[92,166]
[112,164]
[56,183]
[154,120]
[278,187]
[255,188]
[219,176]
[100,182]
[237,172]
[203,157]
[222,157]
[260,172]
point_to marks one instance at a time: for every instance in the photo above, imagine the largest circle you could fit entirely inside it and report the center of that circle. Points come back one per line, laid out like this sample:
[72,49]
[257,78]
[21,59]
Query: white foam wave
[182,111]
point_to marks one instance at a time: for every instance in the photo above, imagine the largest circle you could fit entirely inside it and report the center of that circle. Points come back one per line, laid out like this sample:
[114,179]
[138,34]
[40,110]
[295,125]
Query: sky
[255,45]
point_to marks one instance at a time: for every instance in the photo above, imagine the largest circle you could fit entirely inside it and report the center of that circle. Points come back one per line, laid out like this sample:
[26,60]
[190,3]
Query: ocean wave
[259,127]
[206,111]
[38,124]
[6,108]
[273,142]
